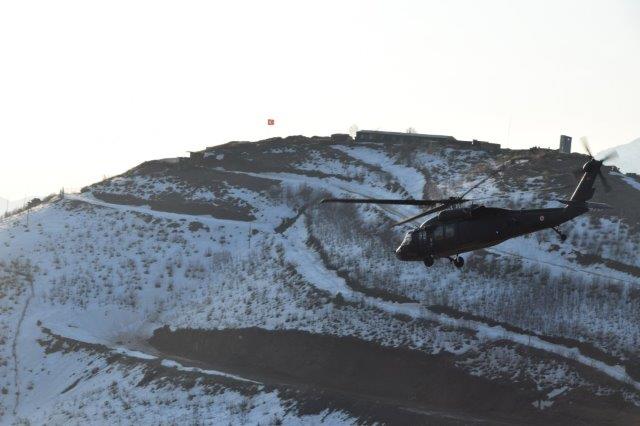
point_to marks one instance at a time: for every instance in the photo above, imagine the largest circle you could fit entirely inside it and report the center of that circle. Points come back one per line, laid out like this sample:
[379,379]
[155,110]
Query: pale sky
[89,89]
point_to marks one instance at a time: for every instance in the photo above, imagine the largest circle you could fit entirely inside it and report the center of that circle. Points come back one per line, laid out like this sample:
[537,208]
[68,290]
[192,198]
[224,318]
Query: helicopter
[457,230]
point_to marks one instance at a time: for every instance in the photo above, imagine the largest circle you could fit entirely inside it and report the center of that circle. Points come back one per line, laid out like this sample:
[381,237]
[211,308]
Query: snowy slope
[90,277]
[628,160]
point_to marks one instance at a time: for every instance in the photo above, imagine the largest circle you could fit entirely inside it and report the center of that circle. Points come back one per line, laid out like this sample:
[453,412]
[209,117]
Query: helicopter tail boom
[584,191]
[591,170]
[589,204]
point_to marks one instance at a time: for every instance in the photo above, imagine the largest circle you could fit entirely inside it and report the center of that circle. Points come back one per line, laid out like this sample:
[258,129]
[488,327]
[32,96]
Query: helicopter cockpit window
[438,232]
[421,238]
[449,230]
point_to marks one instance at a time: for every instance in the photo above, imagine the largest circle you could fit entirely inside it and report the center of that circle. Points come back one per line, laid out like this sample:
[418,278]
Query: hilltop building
[565,144]
[430,140]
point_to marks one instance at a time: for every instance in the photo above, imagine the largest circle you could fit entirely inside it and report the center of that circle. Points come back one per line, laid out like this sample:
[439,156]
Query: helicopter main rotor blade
[489,176]
[424,213]
[555,188]
[477,184]
[386,201]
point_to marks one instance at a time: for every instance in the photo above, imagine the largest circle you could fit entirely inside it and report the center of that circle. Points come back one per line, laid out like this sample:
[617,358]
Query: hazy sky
[89,89]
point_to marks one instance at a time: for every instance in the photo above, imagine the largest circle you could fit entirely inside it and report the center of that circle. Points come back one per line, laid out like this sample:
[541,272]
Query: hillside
[628,160]
[219,290]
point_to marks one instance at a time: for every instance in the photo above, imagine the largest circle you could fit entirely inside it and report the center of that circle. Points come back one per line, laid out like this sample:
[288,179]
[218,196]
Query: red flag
[271,122]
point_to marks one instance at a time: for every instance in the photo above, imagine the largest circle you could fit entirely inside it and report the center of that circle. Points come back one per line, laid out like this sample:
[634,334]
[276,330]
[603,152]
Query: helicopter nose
[401,252]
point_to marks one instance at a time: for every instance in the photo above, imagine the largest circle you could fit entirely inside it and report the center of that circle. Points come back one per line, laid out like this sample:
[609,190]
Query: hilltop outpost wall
[432,141]
[565,144]
[216,153]
[198,158]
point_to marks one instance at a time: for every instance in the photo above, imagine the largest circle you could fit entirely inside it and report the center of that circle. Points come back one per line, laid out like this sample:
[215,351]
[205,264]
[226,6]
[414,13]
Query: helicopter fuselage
[458,231]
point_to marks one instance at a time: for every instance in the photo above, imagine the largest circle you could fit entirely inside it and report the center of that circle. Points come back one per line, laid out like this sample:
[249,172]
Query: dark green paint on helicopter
[459,230]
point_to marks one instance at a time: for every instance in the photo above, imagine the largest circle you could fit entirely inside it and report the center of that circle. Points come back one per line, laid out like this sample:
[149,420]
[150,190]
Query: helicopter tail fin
[584,191]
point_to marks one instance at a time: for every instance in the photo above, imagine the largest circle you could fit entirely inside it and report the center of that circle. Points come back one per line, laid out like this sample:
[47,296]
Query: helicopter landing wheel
[458,262]
[562,235]
[428,261]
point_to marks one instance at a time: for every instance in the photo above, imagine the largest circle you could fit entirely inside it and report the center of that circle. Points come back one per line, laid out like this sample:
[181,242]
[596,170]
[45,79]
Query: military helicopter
[459,230]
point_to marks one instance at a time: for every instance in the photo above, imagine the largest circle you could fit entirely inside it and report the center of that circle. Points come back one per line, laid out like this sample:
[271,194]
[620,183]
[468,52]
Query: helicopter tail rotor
[585,144]
[597,163]
[610,156]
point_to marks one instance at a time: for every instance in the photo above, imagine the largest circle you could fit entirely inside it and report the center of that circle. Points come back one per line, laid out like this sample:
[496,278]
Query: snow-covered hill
[222,292]
[628,160]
